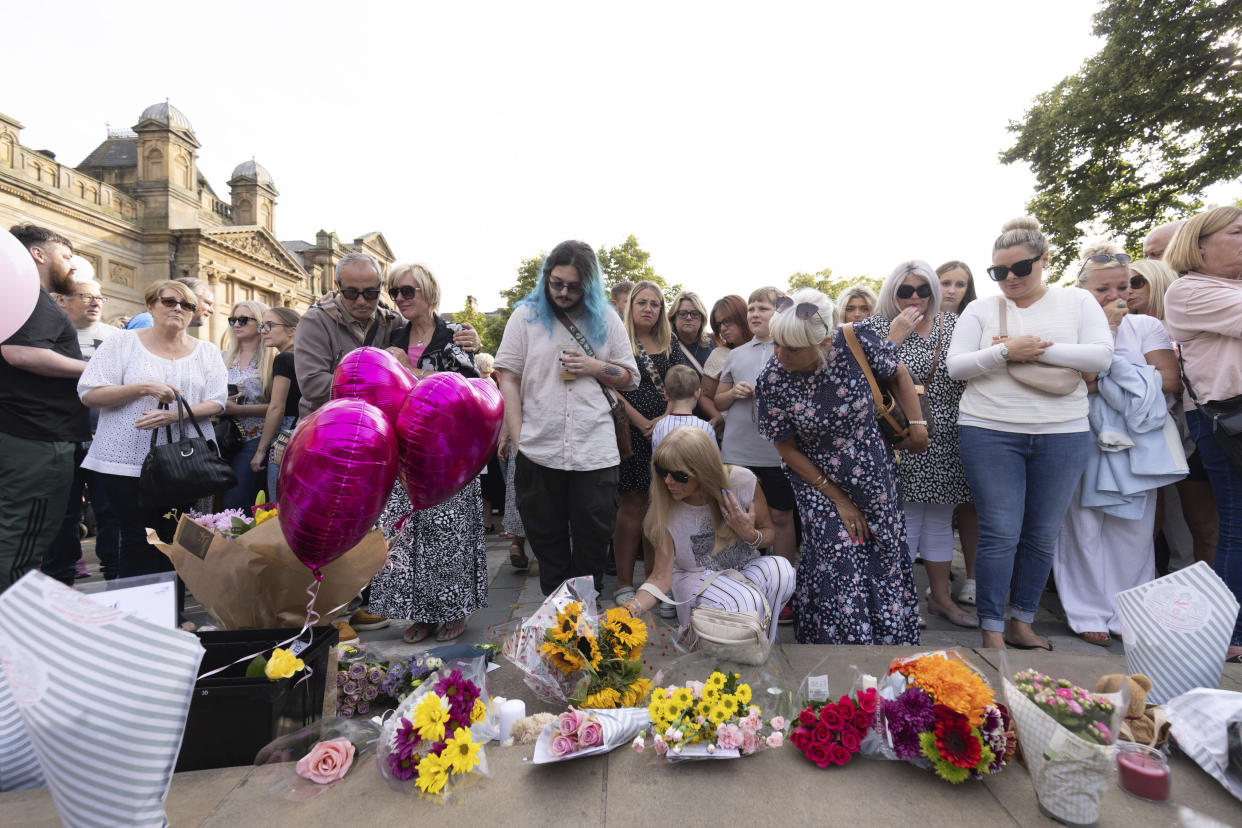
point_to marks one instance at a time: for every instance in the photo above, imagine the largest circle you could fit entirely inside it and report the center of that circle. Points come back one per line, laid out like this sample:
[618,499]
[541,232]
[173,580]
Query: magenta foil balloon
[373,375]
[446,432]
[337,473]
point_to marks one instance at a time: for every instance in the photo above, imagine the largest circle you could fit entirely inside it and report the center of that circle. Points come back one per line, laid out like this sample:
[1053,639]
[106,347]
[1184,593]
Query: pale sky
[740,142]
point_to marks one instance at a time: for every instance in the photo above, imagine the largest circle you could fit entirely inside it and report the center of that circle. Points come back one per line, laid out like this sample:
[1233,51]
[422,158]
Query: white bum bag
[735,636]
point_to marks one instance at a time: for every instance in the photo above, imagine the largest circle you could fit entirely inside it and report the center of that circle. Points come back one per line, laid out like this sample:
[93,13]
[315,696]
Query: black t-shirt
[282,366]
[35,407]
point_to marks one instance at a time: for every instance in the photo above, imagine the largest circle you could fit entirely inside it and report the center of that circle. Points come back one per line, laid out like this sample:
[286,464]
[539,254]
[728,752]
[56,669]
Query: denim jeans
[1022,485]
[249,482]
[273,469]
[1227,490]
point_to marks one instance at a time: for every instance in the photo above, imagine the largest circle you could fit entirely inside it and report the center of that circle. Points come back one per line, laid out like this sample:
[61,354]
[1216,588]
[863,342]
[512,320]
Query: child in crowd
[681,389]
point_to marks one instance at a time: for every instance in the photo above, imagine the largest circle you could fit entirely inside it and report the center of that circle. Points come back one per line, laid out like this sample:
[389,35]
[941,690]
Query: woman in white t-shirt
[706,517]
[127,378]
[1099,554]
[1024,450]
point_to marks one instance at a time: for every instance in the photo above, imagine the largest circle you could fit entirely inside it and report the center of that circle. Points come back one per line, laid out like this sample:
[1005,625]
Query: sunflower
[566,626]
[430,717]
[627,629]
[589,648]
[566,659]
[605,698]
[635,693]
[433,773]
[461,752]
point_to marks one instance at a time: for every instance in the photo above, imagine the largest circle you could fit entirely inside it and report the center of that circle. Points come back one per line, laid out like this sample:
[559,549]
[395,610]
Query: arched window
[243,211]
[155,165]
[6,149]
[183,171]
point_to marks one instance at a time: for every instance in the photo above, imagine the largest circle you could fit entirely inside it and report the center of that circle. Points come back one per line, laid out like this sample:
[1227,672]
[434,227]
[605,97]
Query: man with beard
[563,355]
[41,418]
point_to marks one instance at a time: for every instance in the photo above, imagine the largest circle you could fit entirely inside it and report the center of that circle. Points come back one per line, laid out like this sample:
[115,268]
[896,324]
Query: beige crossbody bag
[1057,380]
[735,636]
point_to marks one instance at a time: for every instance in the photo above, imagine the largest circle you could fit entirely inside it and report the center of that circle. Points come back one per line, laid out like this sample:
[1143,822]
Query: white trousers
[929,531]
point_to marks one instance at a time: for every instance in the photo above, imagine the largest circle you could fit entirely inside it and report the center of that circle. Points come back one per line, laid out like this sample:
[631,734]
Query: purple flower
[402,767]
[406,739]
[341,678]
[907,716]
[460,694]
[350,687]
[375,675]
[357,670]
[347,712]
[370,692]
[364,707]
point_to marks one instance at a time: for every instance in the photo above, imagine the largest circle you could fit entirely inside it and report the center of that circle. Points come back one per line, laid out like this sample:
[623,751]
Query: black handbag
[228,437]
[183,471]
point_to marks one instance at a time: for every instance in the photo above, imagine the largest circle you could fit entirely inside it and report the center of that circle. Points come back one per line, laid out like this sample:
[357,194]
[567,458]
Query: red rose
[820,754]
[821,734]
[838,755]
[862,719]
[808,717]
[850,740]
[867,701]
[846,708]
[830,716]
[801,738]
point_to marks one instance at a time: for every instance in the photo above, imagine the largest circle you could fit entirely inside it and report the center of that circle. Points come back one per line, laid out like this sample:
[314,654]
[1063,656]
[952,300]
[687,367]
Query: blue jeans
[274,468]
[249,482]
[1227,490]
[1022,485]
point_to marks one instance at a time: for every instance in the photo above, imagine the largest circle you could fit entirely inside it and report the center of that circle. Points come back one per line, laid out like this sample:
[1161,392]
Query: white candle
[509,711]
[868,682]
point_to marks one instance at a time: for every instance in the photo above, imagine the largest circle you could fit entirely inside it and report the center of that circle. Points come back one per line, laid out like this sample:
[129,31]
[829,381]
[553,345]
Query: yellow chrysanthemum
[430,716]
[728,701]
[716,680]
[479,712]
[433,773]
[682,697]
[717,714]
[564,658]
[627,629]
[711,693]
[461,752]
[605,698]
[566,626]
[743,693]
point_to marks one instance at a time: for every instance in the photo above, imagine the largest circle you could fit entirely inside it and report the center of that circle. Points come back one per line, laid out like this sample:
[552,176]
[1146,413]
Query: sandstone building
[138,210]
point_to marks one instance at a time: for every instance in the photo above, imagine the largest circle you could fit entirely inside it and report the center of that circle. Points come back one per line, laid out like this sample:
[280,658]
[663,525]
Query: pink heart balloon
[19,282]
[373,375]
[446,432]
[334,480]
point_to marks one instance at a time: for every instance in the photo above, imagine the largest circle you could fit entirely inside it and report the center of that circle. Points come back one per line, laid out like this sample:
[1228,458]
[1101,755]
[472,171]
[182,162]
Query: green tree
[628,262]
[829,285]
[1143,129]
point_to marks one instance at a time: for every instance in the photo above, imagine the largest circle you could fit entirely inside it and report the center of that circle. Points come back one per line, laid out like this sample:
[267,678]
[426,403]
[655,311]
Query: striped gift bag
[19,768]
[1176,630]
[1207,724]
[103,697]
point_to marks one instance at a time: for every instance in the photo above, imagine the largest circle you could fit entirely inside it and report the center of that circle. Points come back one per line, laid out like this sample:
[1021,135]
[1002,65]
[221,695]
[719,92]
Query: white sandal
[967,595]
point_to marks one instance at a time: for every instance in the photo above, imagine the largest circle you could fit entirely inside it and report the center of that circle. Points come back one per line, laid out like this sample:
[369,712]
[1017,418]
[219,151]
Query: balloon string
[312,618]
[312,591]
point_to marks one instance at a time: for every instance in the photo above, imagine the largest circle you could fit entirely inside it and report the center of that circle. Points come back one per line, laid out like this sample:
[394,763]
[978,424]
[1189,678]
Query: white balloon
[19,284]
[84,271]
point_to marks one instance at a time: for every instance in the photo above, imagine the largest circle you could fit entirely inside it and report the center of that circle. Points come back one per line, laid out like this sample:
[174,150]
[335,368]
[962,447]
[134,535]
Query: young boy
[681,389]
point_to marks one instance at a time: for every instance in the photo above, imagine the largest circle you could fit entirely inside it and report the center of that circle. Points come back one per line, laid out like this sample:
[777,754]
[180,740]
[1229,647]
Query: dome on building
[253,170]
[167,113]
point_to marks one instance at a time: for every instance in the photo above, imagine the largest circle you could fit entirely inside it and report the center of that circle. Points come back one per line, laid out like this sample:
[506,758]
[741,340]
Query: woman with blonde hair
[1150,280]
[656,350]
[283,394]
[705,518]
[249,365]
[855,579]
[1203,310]
[855,304]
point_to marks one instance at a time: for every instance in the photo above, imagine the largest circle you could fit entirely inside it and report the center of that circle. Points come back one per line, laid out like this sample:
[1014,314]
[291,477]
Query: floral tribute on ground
[832,733]
[714,719]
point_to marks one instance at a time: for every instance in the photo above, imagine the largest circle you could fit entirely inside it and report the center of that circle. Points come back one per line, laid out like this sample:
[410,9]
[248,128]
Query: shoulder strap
[372,332]
[649,367]
[694,363]
[564,319]
[936,358]
[851,339]
[1004,321]
[1186,377]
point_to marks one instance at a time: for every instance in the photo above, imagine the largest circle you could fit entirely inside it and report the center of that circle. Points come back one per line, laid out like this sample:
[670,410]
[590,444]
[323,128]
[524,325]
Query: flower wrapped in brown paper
[254,581]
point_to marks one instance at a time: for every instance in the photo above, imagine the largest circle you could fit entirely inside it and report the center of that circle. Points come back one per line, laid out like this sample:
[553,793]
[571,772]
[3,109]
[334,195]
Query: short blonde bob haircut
[423,280]
[856,292]
[693,298]
[1159,277]
[791,331]
[888,291]
[1183,254]
[689,449]
[183,293]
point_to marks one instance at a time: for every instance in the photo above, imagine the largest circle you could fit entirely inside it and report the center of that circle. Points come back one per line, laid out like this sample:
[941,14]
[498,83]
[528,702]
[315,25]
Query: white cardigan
[1069,317]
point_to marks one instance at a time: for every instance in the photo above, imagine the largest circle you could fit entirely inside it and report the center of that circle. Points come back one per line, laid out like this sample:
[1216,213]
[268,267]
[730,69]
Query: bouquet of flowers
[831,733]
[360,688]
[569,654]
[1066,735]
[578,733]
[709,719]
[302,765]
[439,730]
[233,523]
[406,676]
[938,712]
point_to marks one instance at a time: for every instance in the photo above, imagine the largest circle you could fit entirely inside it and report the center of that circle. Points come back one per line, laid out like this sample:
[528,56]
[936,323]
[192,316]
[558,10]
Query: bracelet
[923,423]
[758,541]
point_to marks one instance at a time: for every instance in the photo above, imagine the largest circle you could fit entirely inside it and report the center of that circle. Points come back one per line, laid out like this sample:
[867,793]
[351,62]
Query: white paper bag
[1176,630]
[103,697]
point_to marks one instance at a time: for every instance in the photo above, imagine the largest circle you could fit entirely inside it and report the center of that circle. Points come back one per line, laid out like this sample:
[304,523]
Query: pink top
[1204,315]
[415,353]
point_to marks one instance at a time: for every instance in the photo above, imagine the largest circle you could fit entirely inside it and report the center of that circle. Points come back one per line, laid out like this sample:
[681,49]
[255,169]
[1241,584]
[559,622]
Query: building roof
[167,113]
[113,152]
[253,170]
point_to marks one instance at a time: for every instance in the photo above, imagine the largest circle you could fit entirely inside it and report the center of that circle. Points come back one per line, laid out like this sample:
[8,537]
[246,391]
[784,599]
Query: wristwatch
[1005,352]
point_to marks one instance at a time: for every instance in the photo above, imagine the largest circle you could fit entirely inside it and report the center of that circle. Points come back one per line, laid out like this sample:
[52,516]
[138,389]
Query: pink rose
[591,734]
[568,723]
[561,745]
[867,701]
[661,746]
[778,723]
[862,719]
[750,742]
[327,761]
[819,753]
[776,739]
[850,740]
[729,736]
[846,707]
[801,738]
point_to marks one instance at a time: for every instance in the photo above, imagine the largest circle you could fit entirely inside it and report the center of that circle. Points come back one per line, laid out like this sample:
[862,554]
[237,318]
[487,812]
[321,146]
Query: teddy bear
[1144,723]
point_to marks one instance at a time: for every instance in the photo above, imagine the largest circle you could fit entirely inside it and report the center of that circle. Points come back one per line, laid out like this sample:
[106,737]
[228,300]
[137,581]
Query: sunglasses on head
[804,310]
[1020,269]
[403,292]
[170,303]
[352,293]
[679,476]
[906,291]
[1137,282]
[240,321]
[1119,258]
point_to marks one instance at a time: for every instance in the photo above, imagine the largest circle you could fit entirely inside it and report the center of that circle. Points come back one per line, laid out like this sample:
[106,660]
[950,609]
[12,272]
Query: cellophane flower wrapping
[1207,726]
[1070,771]
[579,733]
[276,762]
[455,755]
[831,731]
[523,647]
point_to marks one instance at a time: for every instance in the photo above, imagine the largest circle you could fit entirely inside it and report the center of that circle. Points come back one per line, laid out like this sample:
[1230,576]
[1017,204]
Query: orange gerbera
[951,683]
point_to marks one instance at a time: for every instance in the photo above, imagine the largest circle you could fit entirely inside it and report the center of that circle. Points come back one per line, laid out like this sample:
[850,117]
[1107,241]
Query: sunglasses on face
[1021,269]
[266,327]
[1119,258]
[402,292]
[906,291]
[1137,282]
[170,303]
[352,293]
[679,476]
[240,321]
[572,288]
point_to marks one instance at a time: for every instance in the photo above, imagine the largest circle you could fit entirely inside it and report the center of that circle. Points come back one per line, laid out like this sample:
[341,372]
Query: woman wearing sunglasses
[855,582]
[933,482]
[249,364]
[283,395]
[1023,447]
[706,517]
[126,380]
[436,573]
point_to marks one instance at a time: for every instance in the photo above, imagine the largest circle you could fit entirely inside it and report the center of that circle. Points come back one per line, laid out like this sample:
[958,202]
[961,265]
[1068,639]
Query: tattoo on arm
[612,371]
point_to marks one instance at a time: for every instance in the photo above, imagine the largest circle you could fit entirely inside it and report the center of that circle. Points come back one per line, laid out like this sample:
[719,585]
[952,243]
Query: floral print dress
[847,593]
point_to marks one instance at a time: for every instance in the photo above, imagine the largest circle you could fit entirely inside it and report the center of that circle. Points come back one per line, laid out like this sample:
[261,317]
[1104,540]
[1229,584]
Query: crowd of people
[735,451]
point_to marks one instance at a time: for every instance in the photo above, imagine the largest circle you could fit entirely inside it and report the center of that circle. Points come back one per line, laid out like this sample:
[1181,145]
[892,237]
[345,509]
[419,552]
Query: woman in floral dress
[855,582]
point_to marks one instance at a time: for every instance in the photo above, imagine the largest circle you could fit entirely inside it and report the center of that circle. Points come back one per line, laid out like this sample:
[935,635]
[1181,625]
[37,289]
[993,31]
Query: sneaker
[79,569]
[667,611]
[363,620]
[345,633]
[967,595]
[786,616]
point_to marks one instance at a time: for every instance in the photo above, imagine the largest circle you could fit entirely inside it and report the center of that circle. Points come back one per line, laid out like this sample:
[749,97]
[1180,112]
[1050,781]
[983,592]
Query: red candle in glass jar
[1143,771]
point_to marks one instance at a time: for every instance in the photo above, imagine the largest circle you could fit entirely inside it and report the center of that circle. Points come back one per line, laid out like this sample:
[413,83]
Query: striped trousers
[772,574]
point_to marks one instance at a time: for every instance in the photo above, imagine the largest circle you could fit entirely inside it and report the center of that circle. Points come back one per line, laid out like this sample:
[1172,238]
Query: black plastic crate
[231,716]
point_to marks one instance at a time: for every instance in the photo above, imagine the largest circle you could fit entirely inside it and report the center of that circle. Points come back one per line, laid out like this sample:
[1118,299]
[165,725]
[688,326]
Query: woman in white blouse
[1024,449]
[128,377]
